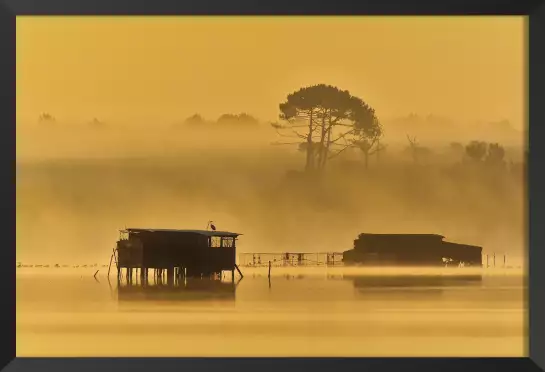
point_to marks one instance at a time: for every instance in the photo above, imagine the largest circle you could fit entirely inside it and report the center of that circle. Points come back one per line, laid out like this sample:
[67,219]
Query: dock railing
[292,259]
[288,259]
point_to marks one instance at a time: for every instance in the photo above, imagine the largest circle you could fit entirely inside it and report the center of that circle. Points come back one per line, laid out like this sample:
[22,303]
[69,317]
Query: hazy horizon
[142,77]
[163,69]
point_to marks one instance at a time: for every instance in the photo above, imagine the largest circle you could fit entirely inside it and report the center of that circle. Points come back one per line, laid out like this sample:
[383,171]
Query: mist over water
[298,312]
[69,208]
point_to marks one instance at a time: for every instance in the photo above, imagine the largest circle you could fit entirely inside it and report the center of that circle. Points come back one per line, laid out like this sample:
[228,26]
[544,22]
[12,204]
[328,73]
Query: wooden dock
[290,259]
[298,259]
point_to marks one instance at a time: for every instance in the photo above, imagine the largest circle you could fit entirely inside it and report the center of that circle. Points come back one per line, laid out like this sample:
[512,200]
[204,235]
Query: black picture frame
[535,10]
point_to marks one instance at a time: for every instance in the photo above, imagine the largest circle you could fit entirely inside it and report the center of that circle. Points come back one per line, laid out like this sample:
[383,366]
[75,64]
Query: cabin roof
[459,245]
[201,232]
[403,235]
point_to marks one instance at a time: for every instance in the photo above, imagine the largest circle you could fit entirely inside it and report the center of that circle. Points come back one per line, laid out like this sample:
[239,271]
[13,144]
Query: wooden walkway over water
[288,259]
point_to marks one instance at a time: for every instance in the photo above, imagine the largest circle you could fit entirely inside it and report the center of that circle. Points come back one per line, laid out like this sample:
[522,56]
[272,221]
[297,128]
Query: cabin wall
[398,250]
[166,250]
[171,249]
[130,253]
[410,250]
[378,242]
[467,254]
[219,259]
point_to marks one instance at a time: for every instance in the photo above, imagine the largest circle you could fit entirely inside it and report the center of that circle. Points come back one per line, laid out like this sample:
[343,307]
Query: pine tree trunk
[310,150]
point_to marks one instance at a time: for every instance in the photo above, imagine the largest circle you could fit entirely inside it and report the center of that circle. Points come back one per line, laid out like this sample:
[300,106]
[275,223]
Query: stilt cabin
[191,253]
[410,250]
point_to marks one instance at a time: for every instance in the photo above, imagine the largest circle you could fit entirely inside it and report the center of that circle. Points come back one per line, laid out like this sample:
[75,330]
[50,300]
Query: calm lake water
[299,312]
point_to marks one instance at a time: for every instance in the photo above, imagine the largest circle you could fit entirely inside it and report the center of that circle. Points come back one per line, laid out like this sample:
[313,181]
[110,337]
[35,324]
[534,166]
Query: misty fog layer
[71,206]
[102,143]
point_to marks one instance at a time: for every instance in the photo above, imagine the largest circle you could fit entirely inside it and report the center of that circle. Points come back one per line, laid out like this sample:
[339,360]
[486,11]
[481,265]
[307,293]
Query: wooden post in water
[110,265]
[494,259]
[487,260]
[269,269]
[239,272]
[145,276]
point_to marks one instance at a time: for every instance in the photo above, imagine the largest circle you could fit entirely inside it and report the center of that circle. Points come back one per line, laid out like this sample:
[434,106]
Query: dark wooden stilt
[239,272]
[170,276]
[110,265]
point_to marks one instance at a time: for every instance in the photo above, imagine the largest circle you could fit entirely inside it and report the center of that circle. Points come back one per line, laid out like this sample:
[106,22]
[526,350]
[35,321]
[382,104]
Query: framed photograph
[228,186]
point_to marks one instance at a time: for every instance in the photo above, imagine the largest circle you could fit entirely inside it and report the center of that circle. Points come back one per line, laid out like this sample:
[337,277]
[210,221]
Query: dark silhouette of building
[190,253]
[410,250]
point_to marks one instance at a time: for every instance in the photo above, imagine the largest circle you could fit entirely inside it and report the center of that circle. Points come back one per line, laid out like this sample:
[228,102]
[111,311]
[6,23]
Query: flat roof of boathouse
[200,232]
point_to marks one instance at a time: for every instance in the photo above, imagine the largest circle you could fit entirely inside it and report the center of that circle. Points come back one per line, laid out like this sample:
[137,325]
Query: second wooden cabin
[410,250]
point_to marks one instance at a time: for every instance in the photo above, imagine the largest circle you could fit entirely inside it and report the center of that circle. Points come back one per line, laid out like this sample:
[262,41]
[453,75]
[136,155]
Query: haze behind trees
[240,172]
[102,141]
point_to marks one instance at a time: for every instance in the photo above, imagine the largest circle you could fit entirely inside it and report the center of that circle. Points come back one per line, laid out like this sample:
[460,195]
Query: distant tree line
[323,121]
[482,152]
[225,120]
[46,118]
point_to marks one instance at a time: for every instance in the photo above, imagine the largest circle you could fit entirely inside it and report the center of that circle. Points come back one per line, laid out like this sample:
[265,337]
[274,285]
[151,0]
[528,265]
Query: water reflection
[428,286]
[184,290]
[289,287]
[308,313]
[414,281]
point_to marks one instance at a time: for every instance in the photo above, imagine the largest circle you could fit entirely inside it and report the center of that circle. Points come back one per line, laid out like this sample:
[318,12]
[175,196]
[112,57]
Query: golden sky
[167,68]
